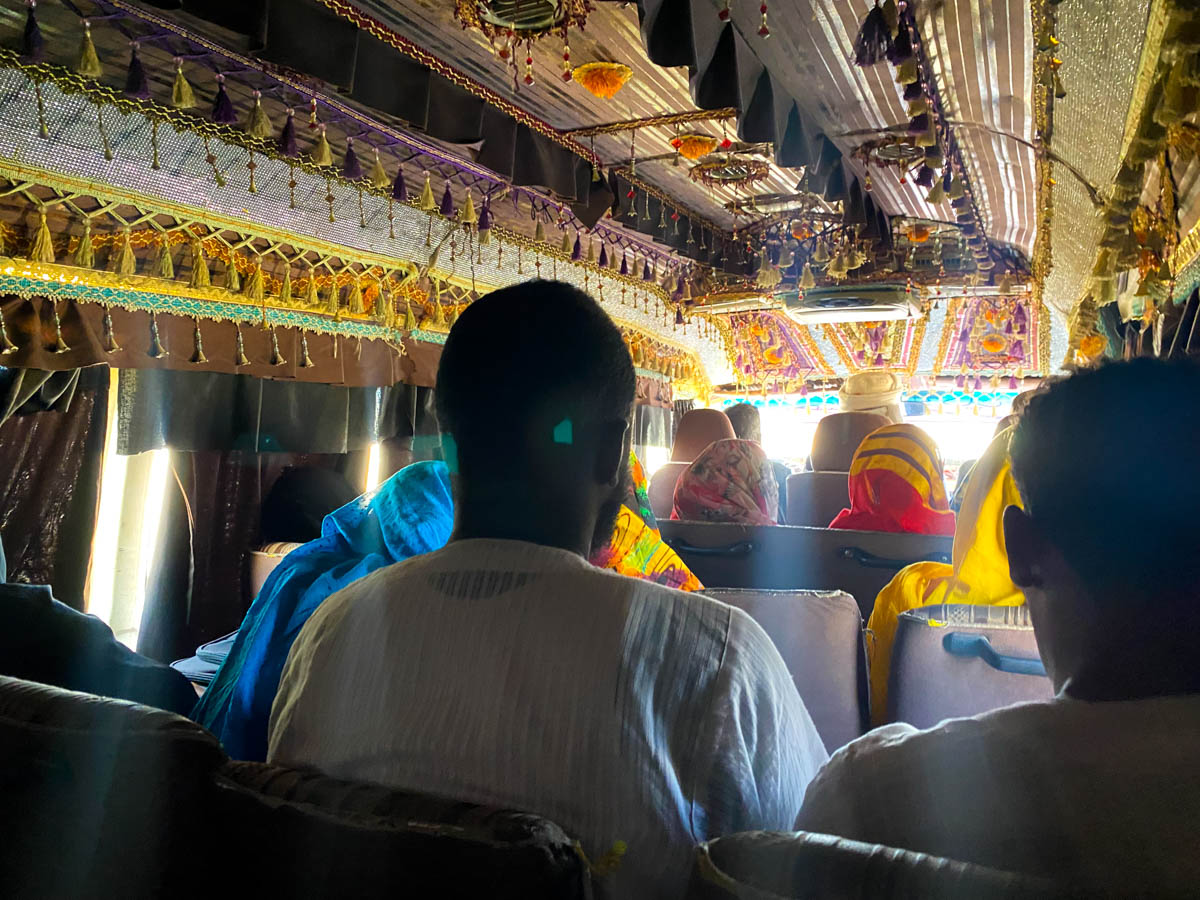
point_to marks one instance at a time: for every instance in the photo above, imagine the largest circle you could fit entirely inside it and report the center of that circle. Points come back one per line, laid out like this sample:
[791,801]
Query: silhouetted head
[534,395]
[746,421]
[299,501]
[1107,549]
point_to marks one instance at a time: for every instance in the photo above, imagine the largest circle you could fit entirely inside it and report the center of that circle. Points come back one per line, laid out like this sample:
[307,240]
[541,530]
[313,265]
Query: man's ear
[612,451]
[1024,543]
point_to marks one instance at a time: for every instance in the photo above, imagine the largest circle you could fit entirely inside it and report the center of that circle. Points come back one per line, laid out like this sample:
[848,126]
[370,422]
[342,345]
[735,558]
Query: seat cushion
[368,840]
[661,489]
[815,498]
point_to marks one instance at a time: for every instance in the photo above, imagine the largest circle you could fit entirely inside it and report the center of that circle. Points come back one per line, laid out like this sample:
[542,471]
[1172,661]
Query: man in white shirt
[1097,787]
[504,669]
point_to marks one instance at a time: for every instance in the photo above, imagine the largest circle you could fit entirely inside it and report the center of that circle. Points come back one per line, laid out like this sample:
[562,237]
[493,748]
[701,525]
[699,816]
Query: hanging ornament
[763,30]
[223,112]
[427,203]
[286,142]
[485,222]
[197,358]
[200,276]
[33,46]
[258,125]
[539,232]
[110,339]
[874,39]
[136,83]
[165,265]
[399,188]
[276,357]
[602,79]
[566,57]
[285,287]
[87,63]
[321,154]
[125,262]
[467,216]
[305,360]
[577,250]
[351,167]
[42,250]
[239,356]
[447,206]
[157,350]
[807,280]
[528,67]
[379,175]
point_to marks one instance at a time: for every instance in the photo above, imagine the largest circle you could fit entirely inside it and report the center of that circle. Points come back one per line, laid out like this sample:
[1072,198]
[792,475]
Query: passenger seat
[950,661]
[815,498]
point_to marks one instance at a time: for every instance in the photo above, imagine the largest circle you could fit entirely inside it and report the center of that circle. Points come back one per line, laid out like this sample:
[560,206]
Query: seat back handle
[741,548]
[978,646]
[871,561]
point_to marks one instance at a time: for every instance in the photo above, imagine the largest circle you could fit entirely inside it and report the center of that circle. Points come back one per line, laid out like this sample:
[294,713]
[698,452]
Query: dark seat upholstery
[838,436]
[776,557]
[766,865]
[820,637]
[661,489]
[941,667]
[315,836]
[815,498]
[100,797]
[103,798]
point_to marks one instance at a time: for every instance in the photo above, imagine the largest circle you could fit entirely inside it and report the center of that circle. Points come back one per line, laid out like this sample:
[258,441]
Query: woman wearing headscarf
[409,514]
[977,575]
[731,481]
[896,485]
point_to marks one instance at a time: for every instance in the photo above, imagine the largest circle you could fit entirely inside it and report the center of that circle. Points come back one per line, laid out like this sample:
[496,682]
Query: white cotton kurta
[1105,795]
[508,673]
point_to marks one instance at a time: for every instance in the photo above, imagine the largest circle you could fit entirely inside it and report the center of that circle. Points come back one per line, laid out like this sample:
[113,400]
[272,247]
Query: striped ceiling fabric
[1088,125]
[612,35]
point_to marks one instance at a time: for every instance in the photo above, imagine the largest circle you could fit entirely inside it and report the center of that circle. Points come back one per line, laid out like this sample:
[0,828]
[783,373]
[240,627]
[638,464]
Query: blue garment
[410,514]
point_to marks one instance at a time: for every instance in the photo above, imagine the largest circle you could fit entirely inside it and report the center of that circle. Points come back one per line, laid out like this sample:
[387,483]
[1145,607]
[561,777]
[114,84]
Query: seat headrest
[838,436]
[697,430]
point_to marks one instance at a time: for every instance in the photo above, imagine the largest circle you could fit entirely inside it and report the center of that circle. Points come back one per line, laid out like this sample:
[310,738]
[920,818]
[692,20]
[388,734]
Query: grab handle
[871,561]
[742,548]
[978,646]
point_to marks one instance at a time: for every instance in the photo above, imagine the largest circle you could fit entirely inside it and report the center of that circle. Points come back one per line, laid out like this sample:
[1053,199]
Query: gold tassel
[907,72]
[200,277]
[566,243]
[259,126]
[285,289]
[305,360]
[539,233]
[452,315]
[126,262]
[43,244]
[591,254]
[198,358]
[427,203]
[468,216]
[157,350]
[312,297]
[438,314]
[276,357]
[937,193]
[927,138]
[85,253]
[256,284]
[916,107]
[355,300]
[410,320]
[88,63]
[321,154]
[110,338]
[332,302]
[807,280]
[6,346]
[957,189]
[239,358]
[166,266]
[60,346]
[182,95]
[233,278]
[379,175]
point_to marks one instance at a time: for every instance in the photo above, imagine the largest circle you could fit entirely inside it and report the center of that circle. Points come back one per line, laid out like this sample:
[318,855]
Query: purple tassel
[913,91]
[919,124]
[34,46]
[485,216]
[960,382]
[677,294]
[978,385]
[447,207]
[603,256]
[223,112]
[874,40]
[1017,351]
[925,177]
[946,179]
[861,355]
[965,335]
[136,84]
[399,188]
[678,315]
[902,47]
[1012,382]
[1008,327]
[1019,317]
[879,360]
[624,264]
[286,144]
[804,389]
[960,202]
[647,275]
[577,253]
[351,167]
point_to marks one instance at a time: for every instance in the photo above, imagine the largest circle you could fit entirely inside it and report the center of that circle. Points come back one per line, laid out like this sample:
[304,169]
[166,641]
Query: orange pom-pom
[603,79]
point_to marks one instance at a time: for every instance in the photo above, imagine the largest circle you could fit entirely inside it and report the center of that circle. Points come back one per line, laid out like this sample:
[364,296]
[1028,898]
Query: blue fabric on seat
[410,514]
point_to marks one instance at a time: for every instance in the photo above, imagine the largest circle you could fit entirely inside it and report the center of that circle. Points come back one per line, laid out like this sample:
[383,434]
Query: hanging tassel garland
[305,360]
[399,188]
[321,154]
[165,266]
[312,297]
[427,203]
[355,299]
[333,303]
[591,252]
[182,95]
[485,222]
[468,216]
[379,175]
[126,262]
[285,288]
[351,167]
[136,83]
[223,112]
[276,357]
[33,46]
[198,358]
[233,278]
[603,262]
[200,277]
[577,250]
[902,47]
[874,39]
[43,245]
[286,142]
[110,339]
[258,125]
[624,264]
[85,252]
[88,62]
[937,193]
[808,281]
[566,243]
[539,232]
[410,320]
[157,350]
[447,207]
[239,357]
[891,15]
[907,72]
[256,283]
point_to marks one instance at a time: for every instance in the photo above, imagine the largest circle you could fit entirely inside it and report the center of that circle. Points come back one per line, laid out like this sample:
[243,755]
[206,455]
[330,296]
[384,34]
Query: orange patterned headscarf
[731,481]
[896,485]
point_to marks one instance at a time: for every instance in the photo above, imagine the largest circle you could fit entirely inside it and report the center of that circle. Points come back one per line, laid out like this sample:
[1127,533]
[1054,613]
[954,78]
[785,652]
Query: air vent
[850,303]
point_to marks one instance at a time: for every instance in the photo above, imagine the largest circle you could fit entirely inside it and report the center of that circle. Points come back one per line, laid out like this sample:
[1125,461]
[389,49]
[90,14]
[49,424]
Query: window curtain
[53,447]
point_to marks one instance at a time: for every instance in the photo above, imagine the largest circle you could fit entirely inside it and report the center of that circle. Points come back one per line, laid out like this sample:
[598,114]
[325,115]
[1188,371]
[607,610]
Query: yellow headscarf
[978,574]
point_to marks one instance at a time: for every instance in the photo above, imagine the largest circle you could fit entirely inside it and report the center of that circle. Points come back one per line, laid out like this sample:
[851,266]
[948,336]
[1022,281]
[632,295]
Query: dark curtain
[53,450]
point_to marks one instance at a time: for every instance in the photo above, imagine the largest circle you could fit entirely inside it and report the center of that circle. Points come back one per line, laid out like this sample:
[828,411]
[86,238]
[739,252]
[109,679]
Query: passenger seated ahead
[505,670]
[731,481]
[896,485]
[747,425]
[1096,787]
